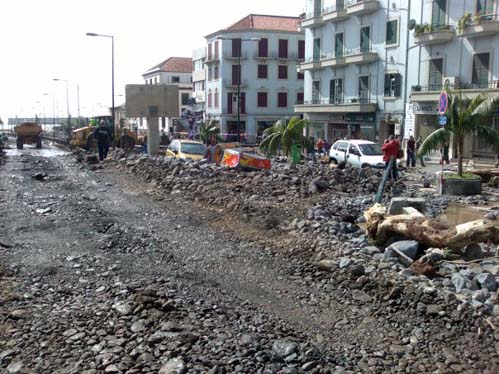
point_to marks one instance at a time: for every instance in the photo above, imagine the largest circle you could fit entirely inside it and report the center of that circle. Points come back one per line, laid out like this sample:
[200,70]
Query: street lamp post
[239,74]
[67,99]
[112,72]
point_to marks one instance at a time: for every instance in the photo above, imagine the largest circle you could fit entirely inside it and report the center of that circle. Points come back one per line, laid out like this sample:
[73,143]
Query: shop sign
[354,117]
[409,121]
[425,108]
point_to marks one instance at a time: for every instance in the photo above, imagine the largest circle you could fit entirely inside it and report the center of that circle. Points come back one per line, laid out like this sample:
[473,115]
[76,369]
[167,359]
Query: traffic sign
[443,101]
[442,120]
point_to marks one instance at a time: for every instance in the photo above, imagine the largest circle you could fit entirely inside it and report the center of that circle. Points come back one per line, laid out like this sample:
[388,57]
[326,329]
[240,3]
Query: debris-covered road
[104,272]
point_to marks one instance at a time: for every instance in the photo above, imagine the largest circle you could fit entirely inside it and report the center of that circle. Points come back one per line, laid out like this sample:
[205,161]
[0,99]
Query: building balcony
[229,56]
[358,56]
[211,59]
[229,84]
[479,26]
[275,56]
[312,20]
[334,13]
[427,34]
[199,75]
[360,7]
[344,105]
[431,93]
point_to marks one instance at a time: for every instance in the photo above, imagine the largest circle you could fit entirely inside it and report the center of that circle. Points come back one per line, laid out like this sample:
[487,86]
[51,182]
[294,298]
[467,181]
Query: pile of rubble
[283,190]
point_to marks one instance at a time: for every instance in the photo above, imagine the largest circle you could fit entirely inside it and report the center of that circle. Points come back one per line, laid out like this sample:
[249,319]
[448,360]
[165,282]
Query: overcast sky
[45,39]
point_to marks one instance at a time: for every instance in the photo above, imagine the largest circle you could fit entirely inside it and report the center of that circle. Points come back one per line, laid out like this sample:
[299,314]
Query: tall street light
[239,69]
[112,72]
[67,98]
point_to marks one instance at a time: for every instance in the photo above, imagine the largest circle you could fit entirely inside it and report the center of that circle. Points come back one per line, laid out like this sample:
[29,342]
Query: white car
[358,153]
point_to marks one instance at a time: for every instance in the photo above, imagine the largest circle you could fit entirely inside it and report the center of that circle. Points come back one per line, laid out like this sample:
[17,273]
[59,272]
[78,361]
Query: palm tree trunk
[460,146]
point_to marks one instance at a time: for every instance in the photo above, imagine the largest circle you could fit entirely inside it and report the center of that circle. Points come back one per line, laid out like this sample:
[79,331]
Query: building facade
[355,68]
[455,44]
[199,79]
[177,71]
[251,74]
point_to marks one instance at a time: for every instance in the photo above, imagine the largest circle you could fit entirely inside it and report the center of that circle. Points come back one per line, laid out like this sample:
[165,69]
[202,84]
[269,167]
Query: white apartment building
[174,70]
[199,78]
[257,56]
[455,43]
[355,68]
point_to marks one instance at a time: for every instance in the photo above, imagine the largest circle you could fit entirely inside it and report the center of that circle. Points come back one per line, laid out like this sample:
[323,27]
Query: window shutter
[283,48]
[387,85]
[243,103]
[398,85]
[229,102]
[301,49]
[263,47]
[236,47]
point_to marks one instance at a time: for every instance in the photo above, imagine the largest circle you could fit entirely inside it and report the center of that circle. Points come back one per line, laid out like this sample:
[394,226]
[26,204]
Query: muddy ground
[101,274]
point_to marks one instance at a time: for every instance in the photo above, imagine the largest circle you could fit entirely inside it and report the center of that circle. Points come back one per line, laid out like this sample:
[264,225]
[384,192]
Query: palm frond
[434,141]
[486,107]
[488,134]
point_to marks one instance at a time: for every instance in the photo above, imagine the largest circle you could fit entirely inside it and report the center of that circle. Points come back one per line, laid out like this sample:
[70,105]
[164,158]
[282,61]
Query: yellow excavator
[83,137]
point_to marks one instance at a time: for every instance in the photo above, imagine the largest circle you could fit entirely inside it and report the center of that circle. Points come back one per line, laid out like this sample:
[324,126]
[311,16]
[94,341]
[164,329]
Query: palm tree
[209,129]
[283,135]
[464,117]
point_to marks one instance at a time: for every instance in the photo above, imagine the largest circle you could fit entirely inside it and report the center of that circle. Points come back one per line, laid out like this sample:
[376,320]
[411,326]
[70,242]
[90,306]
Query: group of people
[392,150]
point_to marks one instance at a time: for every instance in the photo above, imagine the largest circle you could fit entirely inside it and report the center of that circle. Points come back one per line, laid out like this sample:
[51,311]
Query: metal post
[112,83]
[239,93]
[67,103]
[78,97]
[382,184]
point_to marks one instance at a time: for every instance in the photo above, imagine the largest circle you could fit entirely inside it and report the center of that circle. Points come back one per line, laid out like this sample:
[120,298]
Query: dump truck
[28,133]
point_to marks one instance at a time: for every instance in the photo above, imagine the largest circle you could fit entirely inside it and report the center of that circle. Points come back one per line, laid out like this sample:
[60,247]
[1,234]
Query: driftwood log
[428,232]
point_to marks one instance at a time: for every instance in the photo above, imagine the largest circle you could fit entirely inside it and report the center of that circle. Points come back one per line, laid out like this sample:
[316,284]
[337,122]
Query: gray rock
[488,281]
[283,348]
[123,308]
[408,247]
[15,367]
[405,250]
[473,252]
[481,295]
[344,262]
[173,366]
[458,281]
[138,326]
[398,203]
[326,265]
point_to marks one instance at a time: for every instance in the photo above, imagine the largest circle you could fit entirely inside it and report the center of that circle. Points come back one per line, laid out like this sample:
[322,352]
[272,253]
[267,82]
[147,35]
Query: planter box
[460,186]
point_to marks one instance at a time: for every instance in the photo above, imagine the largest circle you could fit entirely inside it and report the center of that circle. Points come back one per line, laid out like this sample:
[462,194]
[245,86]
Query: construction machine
[122,137]
[28,133]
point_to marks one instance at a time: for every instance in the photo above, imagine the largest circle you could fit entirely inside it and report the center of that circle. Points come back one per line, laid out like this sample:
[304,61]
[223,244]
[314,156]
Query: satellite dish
[412,24]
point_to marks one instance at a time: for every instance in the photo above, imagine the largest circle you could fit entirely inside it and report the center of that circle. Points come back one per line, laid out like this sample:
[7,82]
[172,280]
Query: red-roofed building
[174,70]
[251,74]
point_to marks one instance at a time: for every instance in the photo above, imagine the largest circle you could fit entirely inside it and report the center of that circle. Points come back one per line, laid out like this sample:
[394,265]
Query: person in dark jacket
[411,152]
[103,136]
[418,145]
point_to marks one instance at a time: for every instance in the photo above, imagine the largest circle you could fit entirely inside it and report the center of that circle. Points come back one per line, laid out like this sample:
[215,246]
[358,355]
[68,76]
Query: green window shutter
[398,85]
[387,85]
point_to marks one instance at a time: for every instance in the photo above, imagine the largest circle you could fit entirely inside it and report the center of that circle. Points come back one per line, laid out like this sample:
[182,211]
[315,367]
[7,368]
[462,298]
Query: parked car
[186,149]
[358,153]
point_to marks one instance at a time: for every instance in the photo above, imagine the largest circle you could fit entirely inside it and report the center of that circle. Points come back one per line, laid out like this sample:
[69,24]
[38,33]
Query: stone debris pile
[285,187]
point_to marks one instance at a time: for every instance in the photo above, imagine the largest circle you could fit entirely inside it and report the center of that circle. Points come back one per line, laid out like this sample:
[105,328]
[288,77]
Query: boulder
[405,250]
[398,203]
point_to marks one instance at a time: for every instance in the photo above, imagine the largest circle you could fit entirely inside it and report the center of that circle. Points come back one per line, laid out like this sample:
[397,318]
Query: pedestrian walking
[497,159]
[444,151]
[390,151]
[103,136]
[418,145]
[410,151]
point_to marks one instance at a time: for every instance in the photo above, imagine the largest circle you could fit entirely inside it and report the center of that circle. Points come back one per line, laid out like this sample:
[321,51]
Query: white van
[358,153]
